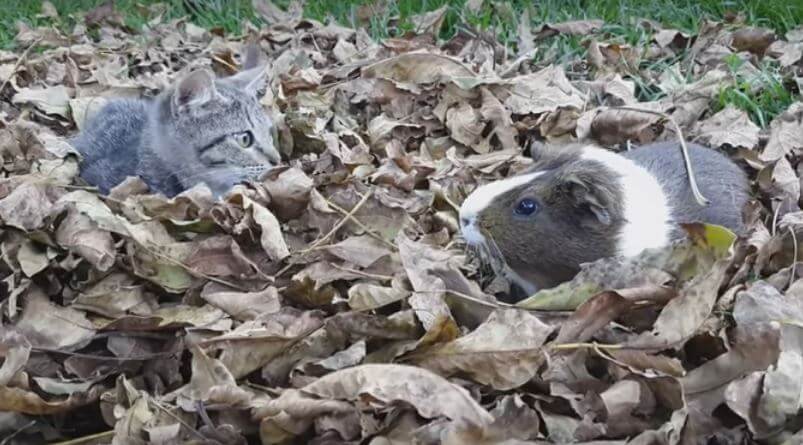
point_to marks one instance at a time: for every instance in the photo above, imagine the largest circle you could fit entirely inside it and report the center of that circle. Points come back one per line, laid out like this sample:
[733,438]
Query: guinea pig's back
[719,179]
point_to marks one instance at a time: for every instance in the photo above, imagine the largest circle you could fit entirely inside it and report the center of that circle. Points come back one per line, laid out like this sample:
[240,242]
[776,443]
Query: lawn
[500,17]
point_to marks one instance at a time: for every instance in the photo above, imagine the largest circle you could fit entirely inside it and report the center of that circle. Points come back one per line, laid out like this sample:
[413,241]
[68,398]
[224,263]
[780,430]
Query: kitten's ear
[251,81]
[195,89]
[253,56]
[252,78]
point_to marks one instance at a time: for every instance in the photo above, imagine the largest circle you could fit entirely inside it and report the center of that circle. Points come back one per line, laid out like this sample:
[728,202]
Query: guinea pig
[580,203]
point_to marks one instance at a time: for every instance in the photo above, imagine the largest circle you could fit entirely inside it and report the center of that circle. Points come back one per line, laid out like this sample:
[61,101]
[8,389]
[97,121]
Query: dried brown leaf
[573,27]
[47,325]
[53,100]
[755,40]
[431,395]
[504,352]
[730,126]
[785,131]
[242,305]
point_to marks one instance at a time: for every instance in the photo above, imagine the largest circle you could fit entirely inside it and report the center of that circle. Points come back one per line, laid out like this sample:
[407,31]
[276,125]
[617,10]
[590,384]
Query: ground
[333,300]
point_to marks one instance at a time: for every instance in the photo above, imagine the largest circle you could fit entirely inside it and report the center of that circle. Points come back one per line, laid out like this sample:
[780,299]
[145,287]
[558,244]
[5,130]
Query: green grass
[495,17]
[498,17]
[762,96]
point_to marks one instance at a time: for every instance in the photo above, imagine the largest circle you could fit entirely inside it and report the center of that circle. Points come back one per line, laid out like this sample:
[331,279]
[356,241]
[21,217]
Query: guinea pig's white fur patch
[480,198]
[648,219]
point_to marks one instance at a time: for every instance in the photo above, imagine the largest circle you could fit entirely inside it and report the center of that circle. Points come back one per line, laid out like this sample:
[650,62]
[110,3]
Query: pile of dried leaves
[333,302]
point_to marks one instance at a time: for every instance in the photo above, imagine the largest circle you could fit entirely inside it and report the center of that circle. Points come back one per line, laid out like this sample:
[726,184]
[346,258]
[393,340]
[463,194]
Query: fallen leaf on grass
[273,15]
[785,132]
[613,126]
[418,68]
[730,126]
[525,34]
[574,27]
[755,40]
[546,90]
[429,22]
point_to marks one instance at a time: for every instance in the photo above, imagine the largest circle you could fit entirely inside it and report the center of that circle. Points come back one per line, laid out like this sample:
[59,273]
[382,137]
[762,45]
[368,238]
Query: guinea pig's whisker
[495,258]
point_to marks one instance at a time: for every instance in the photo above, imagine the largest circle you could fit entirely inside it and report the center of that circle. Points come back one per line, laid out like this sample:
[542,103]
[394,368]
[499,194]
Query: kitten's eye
[526,207]
[245,139]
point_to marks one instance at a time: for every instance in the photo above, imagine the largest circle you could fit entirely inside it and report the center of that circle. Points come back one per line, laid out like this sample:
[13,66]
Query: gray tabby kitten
[201,129]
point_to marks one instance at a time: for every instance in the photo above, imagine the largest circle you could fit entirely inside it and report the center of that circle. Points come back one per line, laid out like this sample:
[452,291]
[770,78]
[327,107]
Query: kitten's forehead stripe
[484,195]
[647,215]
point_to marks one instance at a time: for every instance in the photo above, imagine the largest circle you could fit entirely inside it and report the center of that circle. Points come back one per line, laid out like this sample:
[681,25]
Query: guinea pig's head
[542,224]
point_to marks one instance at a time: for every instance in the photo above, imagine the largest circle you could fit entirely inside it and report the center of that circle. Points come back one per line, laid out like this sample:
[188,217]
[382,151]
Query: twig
[794,261]
[612,359]
[224,63]
[595,346]
[177,419]
[340,223]
[199,274]
[21,59]
[142,357]
[450,202]
[87,439]
[775,216]
[359,223]
[348,215]
[18,431]
[364,274]
[490,304]
[698,196]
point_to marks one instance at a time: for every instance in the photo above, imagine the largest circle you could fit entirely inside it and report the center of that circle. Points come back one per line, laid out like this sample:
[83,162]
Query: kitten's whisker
[195,169]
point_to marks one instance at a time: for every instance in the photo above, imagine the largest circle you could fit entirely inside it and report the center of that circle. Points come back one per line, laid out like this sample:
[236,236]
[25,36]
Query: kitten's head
[215,130]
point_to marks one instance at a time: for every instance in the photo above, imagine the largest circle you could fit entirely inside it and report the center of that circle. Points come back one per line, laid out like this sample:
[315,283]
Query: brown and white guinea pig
[580,203]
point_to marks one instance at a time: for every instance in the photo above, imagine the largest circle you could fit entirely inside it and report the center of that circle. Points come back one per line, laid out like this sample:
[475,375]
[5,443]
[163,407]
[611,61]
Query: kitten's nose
[274,156]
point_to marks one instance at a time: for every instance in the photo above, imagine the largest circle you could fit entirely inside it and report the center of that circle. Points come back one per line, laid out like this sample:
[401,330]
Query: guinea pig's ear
[586,192]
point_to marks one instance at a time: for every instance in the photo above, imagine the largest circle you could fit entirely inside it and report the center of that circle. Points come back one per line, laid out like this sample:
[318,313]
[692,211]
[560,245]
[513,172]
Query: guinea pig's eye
[245,139]
[526,207]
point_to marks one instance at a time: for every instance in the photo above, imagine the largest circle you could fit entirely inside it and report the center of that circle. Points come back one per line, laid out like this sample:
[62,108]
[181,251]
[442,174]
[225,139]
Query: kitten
[201,129]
